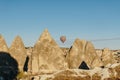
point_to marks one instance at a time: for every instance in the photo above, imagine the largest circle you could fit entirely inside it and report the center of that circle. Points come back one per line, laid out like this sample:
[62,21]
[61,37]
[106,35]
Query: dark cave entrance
[83,65]
[25,68]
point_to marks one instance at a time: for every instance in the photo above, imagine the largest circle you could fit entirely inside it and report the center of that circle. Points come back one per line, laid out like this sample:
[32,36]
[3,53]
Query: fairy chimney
[83,51]
[47,55]
[17,50]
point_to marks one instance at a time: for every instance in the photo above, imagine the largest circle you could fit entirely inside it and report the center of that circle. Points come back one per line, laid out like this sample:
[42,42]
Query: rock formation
[107,57]
[17,50]
[47,61]
[111,73]
[83,51]
[47,55]
[3,45]
[65,50]
[117,56]
[99,52]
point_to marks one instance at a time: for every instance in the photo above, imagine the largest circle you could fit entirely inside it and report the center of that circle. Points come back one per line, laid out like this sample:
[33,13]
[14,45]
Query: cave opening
[83,65]
[25,68]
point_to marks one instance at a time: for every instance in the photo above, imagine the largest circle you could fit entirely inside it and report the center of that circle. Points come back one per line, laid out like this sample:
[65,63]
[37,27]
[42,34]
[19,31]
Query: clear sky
[84,19]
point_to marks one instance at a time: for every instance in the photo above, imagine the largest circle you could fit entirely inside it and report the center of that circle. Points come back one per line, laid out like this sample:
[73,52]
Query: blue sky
[84,19]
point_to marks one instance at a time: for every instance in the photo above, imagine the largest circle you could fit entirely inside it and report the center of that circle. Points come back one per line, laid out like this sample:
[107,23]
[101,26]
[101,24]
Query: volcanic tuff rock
[3,45]
[17,50]
[107,57]
[47,55]
[111,73]
[65,50]
[99,52]
[83,51]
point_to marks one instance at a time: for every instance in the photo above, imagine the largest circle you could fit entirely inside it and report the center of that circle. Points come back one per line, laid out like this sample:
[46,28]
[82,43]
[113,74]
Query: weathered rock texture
[65,50]
[107,57]
[111,73]
[3,45]
[83,51]
[51,62]
[99,52]
[47,55]
[117,57]
[17,50]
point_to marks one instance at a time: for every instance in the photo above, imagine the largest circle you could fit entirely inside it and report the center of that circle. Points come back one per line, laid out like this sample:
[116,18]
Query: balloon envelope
[63,39]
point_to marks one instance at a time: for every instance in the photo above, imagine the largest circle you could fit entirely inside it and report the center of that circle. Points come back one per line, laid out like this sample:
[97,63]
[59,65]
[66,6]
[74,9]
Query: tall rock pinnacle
[17,50]
[48,54]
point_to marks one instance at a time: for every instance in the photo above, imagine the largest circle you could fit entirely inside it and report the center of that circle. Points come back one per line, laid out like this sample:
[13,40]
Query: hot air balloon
[63,39]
